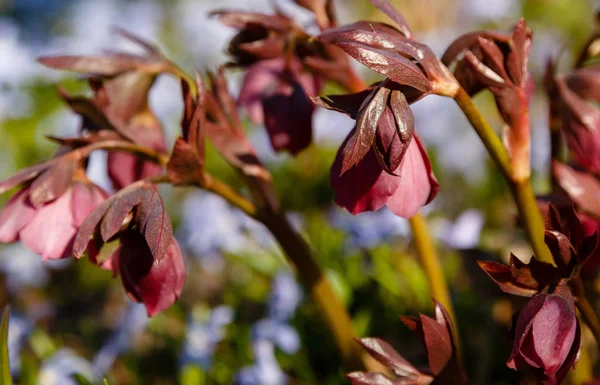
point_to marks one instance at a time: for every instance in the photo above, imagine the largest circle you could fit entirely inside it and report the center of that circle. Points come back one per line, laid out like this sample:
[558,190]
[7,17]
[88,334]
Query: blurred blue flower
[280,333]
[19,328]
[203,337]
[265,370]
[285,297]
[60,368]
[465,232]
[132,323]
[22,267]
[369,229]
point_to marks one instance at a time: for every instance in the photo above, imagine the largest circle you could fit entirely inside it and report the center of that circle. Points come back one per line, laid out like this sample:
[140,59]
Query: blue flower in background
[203,337]
[19,328]
[273,331]
[465,232]
[22,268]
[132,323]
[265,370]
[370,228]
[60,368]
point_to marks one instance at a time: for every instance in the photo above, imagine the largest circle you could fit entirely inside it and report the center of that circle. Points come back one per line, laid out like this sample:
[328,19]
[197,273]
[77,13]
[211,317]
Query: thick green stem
[521,189]
[432,265]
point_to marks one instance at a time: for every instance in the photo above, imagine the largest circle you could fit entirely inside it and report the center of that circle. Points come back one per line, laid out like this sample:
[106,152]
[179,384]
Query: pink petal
[257,81]
[51,231]
[16,215]
[417,185]
[124,169]
[86,196]
[364,187]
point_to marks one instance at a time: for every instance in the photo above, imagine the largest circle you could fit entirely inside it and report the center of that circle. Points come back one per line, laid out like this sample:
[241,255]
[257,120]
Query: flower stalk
[520,187]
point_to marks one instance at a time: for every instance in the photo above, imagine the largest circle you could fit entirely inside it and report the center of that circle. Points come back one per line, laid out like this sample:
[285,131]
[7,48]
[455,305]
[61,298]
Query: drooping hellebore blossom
[158,284]
[382,161]
[547,336]
[148,258]
[47,211]
[276,92]
[497,62]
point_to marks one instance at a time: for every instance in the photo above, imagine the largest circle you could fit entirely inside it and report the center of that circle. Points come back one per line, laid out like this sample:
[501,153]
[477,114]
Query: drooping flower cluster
[547,333]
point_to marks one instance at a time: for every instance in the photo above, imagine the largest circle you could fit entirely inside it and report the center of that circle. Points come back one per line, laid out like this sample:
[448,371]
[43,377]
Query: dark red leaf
[364,378]
[388,356]
[348,104]
[562,250]
[437,343]
[367,120]
[392,13]
[185,166]
[88,227]
[241,20]
[503,277]
[122,204]
[24,175]
[154,222]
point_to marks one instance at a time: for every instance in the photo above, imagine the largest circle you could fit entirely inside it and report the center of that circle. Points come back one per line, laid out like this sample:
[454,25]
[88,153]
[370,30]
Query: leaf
[585,83]
[437,343]
[53,182]
[517,59]
[561,248]
[364,378]
[390,11]
[467,42]
[582,188]
[241,20]
[388,356]
[113,64]
[367,120]
[194,116]
[348,104]
[24,176]
[88,227]
[4,358]
[502,276]
[185,166]
[122,204]
[154,222]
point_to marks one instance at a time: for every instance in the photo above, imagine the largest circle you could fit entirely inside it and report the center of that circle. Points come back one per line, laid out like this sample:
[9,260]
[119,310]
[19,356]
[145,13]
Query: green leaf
[4,363]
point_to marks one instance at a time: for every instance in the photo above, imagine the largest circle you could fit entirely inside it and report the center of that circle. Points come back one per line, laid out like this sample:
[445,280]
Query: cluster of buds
[547,333]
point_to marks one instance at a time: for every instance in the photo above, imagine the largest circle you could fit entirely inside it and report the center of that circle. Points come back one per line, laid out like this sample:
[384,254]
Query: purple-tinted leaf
[467,42]
[24,176]
[369,114]
[585,83]
[482,72]
[517,59]
[392,13]
[437,343]
[348,104]
[493,57]
[241,20]
[93,118]
[154,222]
[122,205]
[561,248]
[582,110]
[185,166]
[502,276]
[88,227]
[53,182]
[225,101]
[107,65]
[582,188]
[194,117]
[364,378]
[388,356]
[443,318]
[150,48]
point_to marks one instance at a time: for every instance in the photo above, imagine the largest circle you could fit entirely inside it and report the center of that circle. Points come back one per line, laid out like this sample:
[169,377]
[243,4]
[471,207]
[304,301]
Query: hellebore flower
[46,213]
[158,284]
[276,92]
[148,258]
[367,187]
[547,336]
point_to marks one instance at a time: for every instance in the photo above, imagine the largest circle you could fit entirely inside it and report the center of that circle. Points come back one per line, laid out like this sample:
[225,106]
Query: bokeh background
[242,317]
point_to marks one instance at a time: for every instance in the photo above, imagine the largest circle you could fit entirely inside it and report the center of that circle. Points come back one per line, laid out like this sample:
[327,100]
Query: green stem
[432,266]
[521,189]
